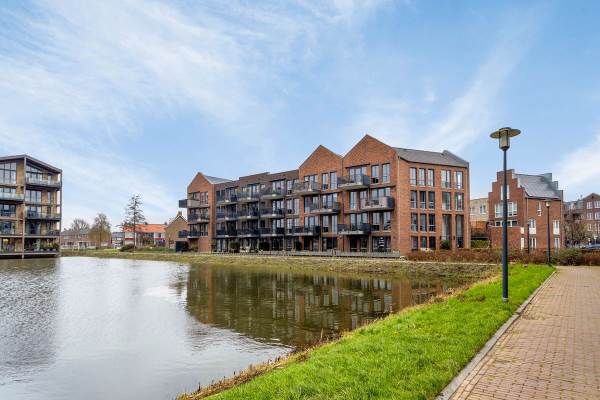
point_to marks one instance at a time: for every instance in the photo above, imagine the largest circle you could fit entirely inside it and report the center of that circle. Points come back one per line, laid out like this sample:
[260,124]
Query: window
[557,242]
[458,201]
[431,222]
[589,205]
[539,209]
[423,222]
[334,223]
[356,173]
[431,200]
[413,176]
[422,200]
[413,199]
[385,178]
[432,242]
[376,221]
[483,209]
[532,223]
[590,215]
[533,242]
[430,178]
[423,242]
[597,204]
[413,222]
[8,172]
[325,180]
[375,173]
[414,242]
[446,201]
[333,179]
[556,226]
[34,196]
[446,179]
[597,216]
[502,192]
[458,179]
[310,178]
[421,176]
[387,221]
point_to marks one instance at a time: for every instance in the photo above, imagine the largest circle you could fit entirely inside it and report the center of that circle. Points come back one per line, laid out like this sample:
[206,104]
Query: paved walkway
[552,351]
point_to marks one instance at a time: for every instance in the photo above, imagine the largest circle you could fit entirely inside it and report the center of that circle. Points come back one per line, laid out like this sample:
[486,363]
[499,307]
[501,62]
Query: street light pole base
[505,299]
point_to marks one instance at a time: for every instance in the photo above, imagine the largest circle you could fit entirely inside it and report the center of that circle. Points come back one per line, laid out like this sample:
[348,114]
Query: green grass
[410,355]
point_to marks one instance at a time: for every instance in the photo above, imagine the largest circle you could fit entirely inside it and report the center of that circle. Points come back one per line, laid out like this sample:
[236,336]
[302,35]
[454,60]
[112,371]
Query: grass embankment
[334,264]
[410,355]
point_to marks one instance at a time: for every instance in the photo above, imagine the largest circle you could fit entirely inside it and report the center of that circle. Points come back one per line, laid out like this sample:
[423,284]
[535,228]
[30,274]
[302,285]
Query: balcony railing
[47,216]
[306,187]
[225,233]
[329,207]
[8,181]
[8,214]
[198,218]
[380,203]
[43,182]
[228,199]
[52,233]
[272,193]
[227,216]
[12,196]
[248,232]
[247,197]
[354,229]
[248,214]
[272,231]
[272,213]
[353,181]
[192,203]
[304,231]
[192,234]
[9,232]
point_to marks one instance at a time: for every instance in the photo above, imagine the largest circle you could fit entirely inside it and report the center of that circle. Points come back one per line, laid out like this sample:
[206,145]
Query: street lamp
[503,135]
[548,231]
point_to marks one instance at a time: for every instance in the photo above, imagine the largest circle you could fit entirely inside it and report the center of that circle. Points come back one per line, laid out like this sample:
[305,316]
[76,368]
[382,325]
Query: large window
[431,222]
[414,222]
[458,179]
[446,179]
[413,176]
[357,172]
[8,172]
[423,222]
[385,176]
[413,199]
[375,173]
[422,200]
[430,177]
[459,201]
[32,172]
[333,179]
[34,196]
[325,181]
[421,176]
[446,201]
[431,200]
[387,220]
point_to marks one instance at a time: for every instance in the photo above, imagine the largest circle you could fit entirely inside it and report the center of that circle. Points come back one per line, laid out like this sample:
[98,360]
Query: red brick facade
[362,201]
[530,208]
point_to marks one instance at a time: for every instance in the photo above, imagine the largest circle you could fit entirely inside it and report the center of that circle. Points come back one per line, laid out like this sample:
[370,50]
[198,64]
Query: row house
[531,200]
[374,198]
[145,235]
[586,210]
[30,207]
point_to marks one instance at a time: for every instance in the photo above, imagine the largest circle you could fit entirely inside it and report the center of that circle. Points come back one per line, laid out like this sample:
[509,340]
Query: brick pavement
[552,351]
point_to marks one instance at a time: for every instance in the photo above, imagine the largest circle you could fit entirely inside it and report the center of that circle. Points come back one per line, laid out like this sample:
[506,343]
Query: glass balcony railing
[42,182]
[12,196]
[8,214]
[227,199]
[248,214]
[304,230]
[354,229]
[198,218]
[272,193]
[226,233]
[248,196]
[37,215]
[272,231]
[272,212]
[227,216]
[307,187]
[380,203]
[5,181]
[9,232]
[325,208]
[354,181]
[248,232]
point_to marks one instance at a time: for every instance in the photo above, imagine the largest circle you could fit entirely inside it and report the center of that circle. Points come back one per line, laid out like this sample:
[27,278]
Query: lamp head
[503,135]
[547,203]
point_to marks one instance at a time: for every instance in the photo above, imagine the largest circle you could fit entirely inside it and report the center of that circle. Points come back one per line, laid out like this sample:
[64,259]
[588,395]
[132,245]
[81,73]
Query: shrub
[480,244]
[127,247]
[445,245]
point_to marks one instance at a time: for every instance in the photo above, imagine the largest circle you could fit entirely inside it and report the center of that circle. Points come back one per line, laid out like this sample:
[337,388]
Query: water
[75,328]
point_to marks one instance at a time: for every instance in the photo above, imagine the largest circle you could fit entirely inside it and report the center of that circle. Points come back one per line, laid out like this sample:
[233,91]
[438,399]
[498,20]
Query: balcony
[248,232]
[43,216]
[354,229]
[46,183]
[330,207]
[272,213]
[381,203]
[248,197]
[9,232]
[192,203]
[12,196]
[227,216]
[272,194]
[192,234]
[353,182]
[304,230]
[248,214]
[7,214]
[229,199]
[308,187]
[8,182]
[271,232]
[226,233]
[202,217]
[50,233]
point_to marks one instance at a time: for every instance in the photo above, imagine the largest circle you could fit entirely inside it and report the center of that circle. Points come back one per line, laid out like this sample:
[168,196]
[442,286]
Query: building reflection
[295,309]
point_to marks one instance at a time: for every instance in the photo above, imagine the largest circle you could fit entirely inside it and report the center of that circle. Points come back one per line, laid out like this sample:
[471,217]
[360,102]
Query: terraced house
[30,207]
[374,198]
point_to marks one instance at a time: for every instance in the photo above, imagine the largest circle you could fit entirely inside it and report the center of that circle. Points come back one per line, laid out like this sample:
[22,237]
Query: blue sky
[135,96]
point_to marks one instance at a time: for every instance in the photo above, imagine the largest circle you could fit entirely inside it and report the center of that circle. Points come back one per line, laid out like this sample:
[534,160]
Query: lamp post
[548,231]
[503,135]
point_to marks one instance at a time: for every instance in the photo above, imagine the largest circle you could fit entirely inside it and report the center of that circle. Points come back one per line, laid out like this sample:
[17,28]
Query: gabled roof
[539,186]
[214,180]
[431,157]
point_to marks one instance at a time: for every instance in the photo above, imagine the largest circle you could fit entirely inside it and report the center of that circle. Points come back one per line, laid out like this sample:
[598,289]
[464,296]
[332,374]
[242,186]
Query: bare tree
[134,216]
[100,231]
[575,232]
[79,224]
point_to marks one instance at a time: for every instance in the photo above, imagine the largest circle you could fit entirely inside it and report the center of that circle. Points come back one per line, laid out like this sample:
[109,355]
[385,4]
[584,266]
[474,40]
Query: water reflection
[295,309]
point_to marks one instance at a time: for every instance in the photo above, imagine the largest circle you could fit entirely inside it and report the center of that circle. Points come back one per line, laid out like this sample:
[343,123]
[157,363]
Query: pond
[94,328]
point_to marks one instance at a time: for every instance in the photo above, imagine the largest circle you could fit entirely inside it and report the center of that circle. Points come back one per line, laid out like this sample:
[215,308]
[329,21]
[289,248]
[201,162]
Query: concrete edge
[455,383]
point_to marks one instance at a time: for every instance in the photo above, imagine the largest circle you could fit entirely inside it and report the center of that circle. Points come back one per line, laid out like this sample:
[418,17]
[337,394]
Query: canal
[94,328]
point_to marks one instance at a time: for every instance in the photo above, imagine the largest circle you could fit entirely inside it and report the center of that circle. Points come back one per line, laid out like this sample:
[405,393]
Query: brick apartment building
[30,207]
[527,196]
[374,198]
[479,217]
[586,210]
[172,238]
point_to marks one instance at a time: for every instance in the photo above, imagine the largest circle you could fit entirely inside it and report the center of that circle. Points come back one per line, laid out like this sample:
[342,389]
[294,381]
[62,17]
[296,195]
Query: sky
[136,96]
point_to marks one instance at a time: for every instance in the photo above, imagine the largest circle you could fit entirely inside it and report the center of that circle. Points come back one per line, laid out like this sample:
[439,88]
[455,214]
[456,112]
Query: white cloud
[579,170]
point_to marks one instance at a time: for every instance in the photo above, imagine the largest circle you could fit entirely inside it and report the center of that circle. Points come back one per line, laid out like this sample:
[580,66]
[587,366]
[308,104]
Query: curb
[455,383]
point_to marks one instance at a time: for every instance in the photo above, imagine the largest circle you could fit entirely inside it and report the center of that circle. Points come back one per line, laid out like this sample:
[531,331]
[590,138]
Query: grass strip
[410,355]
